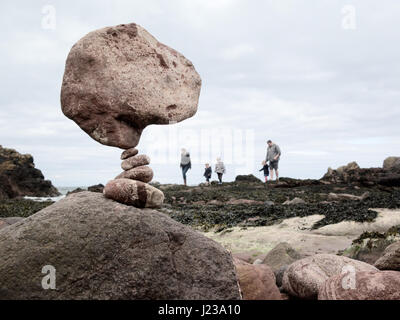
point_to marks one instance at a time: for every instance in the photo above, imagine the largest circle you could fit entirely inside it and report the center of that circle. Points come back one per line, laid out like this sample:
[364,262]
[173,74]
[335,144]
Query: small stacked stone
[131,186]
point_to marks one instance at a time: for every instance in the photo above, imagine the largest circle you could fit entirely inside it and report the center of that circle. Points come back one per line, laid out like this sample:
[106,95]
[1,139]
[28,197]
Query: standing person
[207,173]
[185,164]
[265,168]
[220,169]
[273,156]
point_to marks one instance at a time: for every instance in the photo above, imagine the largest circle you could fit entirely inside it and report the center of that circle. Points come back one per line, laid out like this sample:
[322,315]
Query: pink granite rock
[257,282]
[136,161]
[304,277]
[118,80]
[134,193]
[129,153]
[143,173]
[383,285]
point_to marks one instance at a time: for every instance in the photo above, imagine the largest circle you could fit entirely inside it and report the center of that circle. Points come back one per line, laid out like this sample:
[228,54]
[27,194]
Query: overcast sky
[318,77]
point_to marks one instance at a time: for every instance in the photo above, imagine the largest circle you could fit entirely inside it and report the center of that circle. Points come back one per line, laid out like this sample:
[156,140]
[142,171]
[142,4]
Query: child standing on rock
[265,168]
[207,173]
[220,169]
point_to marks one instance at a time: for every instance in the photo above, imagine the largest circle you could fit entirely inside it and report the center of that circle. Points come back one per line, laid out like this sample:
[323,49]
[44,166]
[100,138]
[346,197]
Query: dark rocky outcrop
[388,176]
[96,188]
[19,177]
[247,178]
[102,249]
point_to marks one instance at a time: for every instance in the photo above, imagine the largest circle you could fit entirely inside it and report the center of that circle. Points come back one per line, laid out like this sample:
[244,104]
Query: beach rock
[74,191]
[281,255]
[279,275]
[244,256]
[5,222]
[19,177]
[294,202]
[143,173]
[390,259]
[136,161]
[304,277]
[120,79]
[104,250]
[129,153]
[257,282]
[96,188]
[351,166]
[134,193]
[343,196]
[247,178]
[269,204]
[353,174]
[384,285]
[391,163]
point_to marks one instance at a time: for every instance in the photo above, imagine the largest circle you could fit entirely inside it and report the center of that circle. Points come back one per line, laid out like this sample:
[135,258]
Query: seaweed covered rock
[390,260]
[304,277]
[102,249]
[247,178]
[382,285]
[369,247]
[19,177]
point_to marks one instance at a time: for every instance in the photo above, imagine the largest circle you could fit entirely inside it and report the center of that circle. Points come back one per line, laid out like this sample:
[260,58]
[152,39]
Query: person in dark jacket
[208,173]
[265,168]
[185,164]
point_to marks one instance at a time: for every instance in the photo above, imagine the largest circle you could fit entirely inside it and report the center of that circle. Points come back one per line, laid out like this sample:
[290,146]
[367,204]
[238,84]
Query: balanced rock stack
[117,81]
[131,186]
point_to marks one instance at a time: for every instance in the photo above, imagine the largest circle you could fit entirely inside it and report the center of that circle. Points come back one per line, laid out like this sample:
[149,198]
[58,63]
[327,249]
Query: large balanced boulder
[101,249]
[257,282]
[118,80]
[384,285]
[304,277]
[390,260]
[19,177]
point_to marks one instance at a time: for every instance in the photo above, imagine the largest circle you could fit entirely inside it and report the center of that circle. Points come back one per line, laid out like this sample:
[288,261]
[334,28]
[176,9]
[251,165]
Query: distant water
[62,190]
